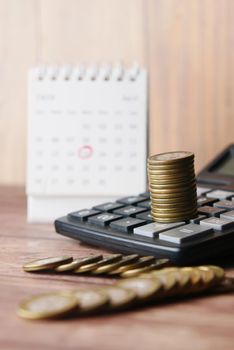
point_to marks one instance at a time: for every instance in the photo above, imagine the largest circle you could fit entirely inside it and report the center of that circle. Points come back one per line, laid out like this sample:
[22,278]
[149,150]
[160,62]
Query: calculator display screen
[226,167]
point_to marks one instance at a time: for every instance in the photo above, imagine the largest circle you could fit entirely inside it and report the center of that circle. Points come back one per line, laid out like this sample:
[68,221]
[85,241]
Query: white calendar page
[87,136]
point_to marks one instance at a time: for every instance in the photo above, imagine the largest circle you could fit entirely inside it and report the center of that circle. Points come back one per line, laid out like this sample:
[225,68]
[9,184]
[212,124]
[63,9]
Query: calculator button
[220,194]
[127,224]
[216,223]
[205,201]
[108,206]
[145,194]
[225,204]
[103,219]
[131,200]
[145,204]
[83,215]
[228,215]
[197,219]
[130,210]
[210,211]
[202,190]
[153,229]
[145,216]
[185,233]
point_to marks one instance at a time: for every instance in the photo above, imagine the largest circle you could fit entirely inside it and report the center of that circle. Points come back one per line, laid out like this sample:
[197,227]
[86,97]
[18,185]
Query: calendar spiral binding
[105,72]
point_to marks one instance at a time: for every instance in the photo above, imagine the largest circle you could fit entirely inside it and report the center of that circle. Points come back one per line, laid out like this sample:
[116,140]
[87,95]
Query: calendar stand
[87,137]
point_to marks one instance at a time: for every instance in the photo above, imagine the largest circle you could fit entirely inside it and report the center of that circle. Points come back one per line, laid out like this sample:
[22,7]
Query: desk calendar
[87,137]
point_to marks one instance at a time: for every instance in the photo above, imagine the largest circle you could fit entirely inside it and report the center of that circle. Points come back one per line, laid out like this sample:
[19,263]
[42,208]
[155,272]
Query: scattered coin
[160,263]
[90,300]
[47,263]
[144,288]
[77,263]
[141,262]
[51,305]
[119,297]
[92,267]
[110,267]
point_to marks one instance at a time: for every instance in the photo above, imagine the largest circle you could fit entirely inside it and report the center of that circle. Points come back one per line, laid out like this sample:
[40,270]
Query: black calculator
[126,225]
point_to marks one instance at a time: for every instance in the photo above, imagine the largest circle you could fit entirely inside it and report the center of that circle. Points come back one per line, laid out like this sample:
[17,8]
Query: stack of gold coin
[172,186]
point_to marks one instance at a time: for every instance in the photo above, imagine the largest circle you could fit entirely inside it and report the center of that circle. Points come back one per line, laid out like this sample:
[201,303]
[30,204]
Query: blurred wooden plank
[187,46]
[18,46]
[92,31]
[190,50]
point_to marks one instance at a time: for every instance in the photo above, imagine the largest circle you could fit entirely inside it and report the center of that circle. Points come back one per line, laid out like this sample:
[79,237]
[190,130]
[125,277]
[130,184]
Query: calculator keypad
[131,217]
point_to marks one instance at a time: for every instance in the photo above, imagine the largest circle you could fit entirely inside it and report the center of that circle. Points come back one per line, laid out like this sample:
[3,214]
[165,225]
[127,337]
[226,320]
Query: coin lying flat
[118,297]
[171,157]
[110,267]
[141,262]
[90,300]
[144,288]
[47,263]
[51,305]
[77,263]
[92,267]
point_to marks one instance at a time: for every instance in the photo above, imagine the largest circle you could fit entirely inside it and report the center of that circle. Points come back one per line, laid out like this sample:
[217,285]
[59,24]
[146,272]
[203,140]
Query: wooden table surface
[200,323]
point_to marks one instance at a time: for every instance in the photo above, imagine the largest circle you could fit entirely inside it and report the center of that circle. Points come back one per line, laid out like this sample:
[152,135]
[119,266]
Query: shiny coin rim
[105,261]
[103,300]
[128,300]
[156,157]
[25,312]
[77,263]
[151,290]
[46,264]
[110,267]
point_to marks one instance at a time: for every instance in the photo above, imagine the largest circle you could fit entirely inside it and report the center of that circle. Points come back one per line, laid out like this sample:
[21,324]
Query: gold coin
[175,165]
[172,186]
[218,271]
[46,263]
[173,214]
[171,177]
[171,157]
[173,200]
[90,300]
[181,194]
[159,263]
[170,206]
[50,305]
[177,181]
[182,190]
[144,288]
[110,267]
[187,173]
[207,274]
[173,209]
[195,279]
[92,267]
[167,279]
[118,297]
[144,261]
[77,263]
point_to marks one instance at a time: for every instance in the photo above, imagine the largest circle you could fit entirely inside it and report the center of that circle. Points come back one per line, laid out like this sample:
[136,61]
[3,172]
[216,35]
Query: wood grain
[186,45]
[201,323]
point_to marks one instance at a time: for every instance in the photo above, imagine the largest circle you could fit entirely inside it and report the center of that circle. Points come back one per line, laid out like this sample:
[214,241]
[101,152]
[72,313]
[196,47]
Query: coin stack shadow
[172,186]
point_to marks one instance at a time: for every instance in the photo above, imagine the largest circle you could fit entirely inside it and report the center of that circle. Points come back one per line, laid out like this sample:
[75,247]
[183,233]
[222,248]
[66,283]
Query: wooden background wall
[187,45]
